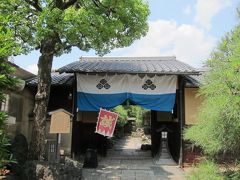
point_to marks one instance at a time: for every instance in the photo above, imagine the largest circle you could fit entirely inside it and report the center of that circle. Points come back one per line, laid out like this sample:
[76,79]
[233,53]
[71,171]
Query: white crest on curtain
[126,83]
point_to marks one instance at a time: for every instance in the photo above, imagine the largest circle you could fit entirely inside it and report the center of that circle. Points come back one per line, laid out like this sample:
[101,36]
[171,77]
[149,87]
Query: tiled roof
[194,80]
[20,72]
[63,79]
[146,65]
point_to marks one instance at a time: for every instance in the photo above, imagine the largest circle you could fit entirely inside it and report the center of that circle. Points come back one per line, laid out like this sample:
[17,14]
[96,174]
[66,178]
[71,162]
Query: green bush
[8,47]
[232,171]
[233,175]
[205,171]
[136,111]
[6,82]
[122,115]
[5,157]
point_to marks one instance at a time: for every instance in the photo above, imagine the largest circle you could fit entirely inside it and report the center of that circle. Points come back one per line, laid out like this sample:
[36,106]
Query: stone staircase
[128,148]
[128,154]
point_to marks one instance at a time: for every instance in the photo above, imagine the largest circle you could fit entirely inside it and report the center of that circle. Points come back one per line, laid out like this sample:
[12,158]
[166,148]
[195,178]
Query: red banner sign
[106,122]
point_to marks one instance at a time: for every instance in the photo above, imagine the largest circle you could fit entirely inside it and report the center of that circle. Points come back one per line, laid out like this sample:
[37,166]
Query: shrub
[218,127]
[5,157]
[205,171]
[122,115]
[136,111]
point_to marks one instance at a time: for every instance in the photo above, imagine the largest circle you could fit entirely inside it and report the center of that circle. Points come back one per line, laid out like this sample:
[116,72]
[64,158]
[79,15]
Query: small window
[52,148]
[164,135]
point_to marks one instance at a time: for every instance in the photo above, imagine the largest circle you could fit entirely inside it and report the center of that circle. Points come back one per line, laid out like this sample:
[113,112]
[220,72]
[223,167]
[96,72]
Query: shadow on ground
[127,161]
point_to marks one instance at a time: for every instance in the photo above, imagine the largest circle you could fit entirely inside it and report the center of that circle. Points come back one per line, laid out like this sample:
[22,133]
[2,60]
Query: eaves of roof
[64,79]
[194,80]
[129,65]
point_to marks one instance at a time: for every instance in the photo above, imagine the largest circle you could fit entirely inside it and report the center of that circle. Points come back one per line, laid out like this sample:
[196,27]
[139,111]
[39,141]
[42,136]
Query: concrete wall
[22,103]
[22,123]
[192,104]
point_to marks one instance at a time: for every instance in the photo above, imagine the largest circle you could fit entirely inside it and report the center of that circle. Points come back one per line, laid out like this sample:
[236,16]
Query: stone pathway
[128,148]
[127,162]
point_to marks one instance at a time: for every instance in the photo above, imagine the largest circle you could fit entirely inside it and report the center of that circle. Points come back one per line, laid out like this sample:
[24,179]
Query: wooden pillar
[155,136]
[74,112]
[181,114]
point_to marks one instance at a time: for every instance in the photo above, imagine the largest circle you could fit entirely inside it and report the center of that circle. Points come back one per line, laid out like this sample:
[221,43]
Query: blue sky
[187,29]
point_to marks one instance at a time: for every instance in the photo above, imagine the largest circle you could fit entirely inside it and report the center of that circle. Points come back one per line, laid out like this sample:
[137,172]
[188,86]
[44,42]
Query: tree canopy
[55,26]
[87,24]
[218,128]
[8,47]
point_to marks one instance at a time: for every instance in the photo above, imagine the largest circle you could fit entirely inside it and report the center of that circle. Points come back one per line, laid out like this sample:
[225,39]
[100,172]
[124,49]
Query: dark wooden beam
[74,112]
[181,114]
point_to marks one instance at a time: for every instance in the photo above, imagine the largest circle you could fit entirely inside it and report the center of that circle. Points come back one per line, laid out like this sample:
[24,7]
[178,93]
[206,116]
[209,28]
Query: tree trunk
[37,146]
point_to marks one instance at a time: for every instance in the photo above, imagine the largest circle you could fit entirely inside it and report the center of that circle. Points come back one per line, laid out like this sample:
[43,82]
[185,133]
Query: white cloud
[160,37]
[207,9]
[187,10]
[191,45]
[33,68]
[187,42]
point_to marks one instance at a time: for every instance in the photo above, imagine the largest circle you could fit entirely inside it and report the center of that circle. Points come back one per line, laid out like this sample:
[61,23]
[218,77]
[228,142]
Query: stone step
[130,158]
[165,157]
[165,162]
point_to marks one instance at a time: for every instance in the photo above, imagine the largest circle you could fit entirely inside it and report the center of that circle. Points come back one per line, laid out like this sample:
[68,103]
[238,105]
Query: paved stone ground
[127,162]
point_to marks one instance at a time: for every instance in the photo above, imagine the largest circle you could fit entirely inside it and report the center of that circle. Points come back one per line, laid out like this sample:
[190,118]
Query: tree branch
[64,4]
[99,4]
[35,4]
[69,3]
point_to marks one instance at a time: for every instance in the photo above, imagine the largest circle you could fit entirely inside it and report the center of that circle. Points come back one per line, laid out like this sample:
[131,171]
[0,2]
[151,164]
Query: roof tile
[148,65]
[63,79]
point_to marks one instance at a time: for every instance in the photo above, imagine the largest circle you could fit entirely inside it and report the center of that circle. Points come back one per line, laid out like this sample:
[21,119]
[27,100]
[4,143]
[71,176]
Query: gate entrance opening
[134,121]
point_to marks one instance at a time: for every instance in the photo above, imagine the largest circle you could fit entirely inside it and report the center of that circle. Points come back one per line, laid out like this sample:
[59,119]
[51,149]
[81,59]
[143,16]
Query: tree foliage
[137,112]
[55,26]
[218,128]
[205,171]
[86,24]
[124,112]
[122,115]
[4,143]
[7,47]
[6,81]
